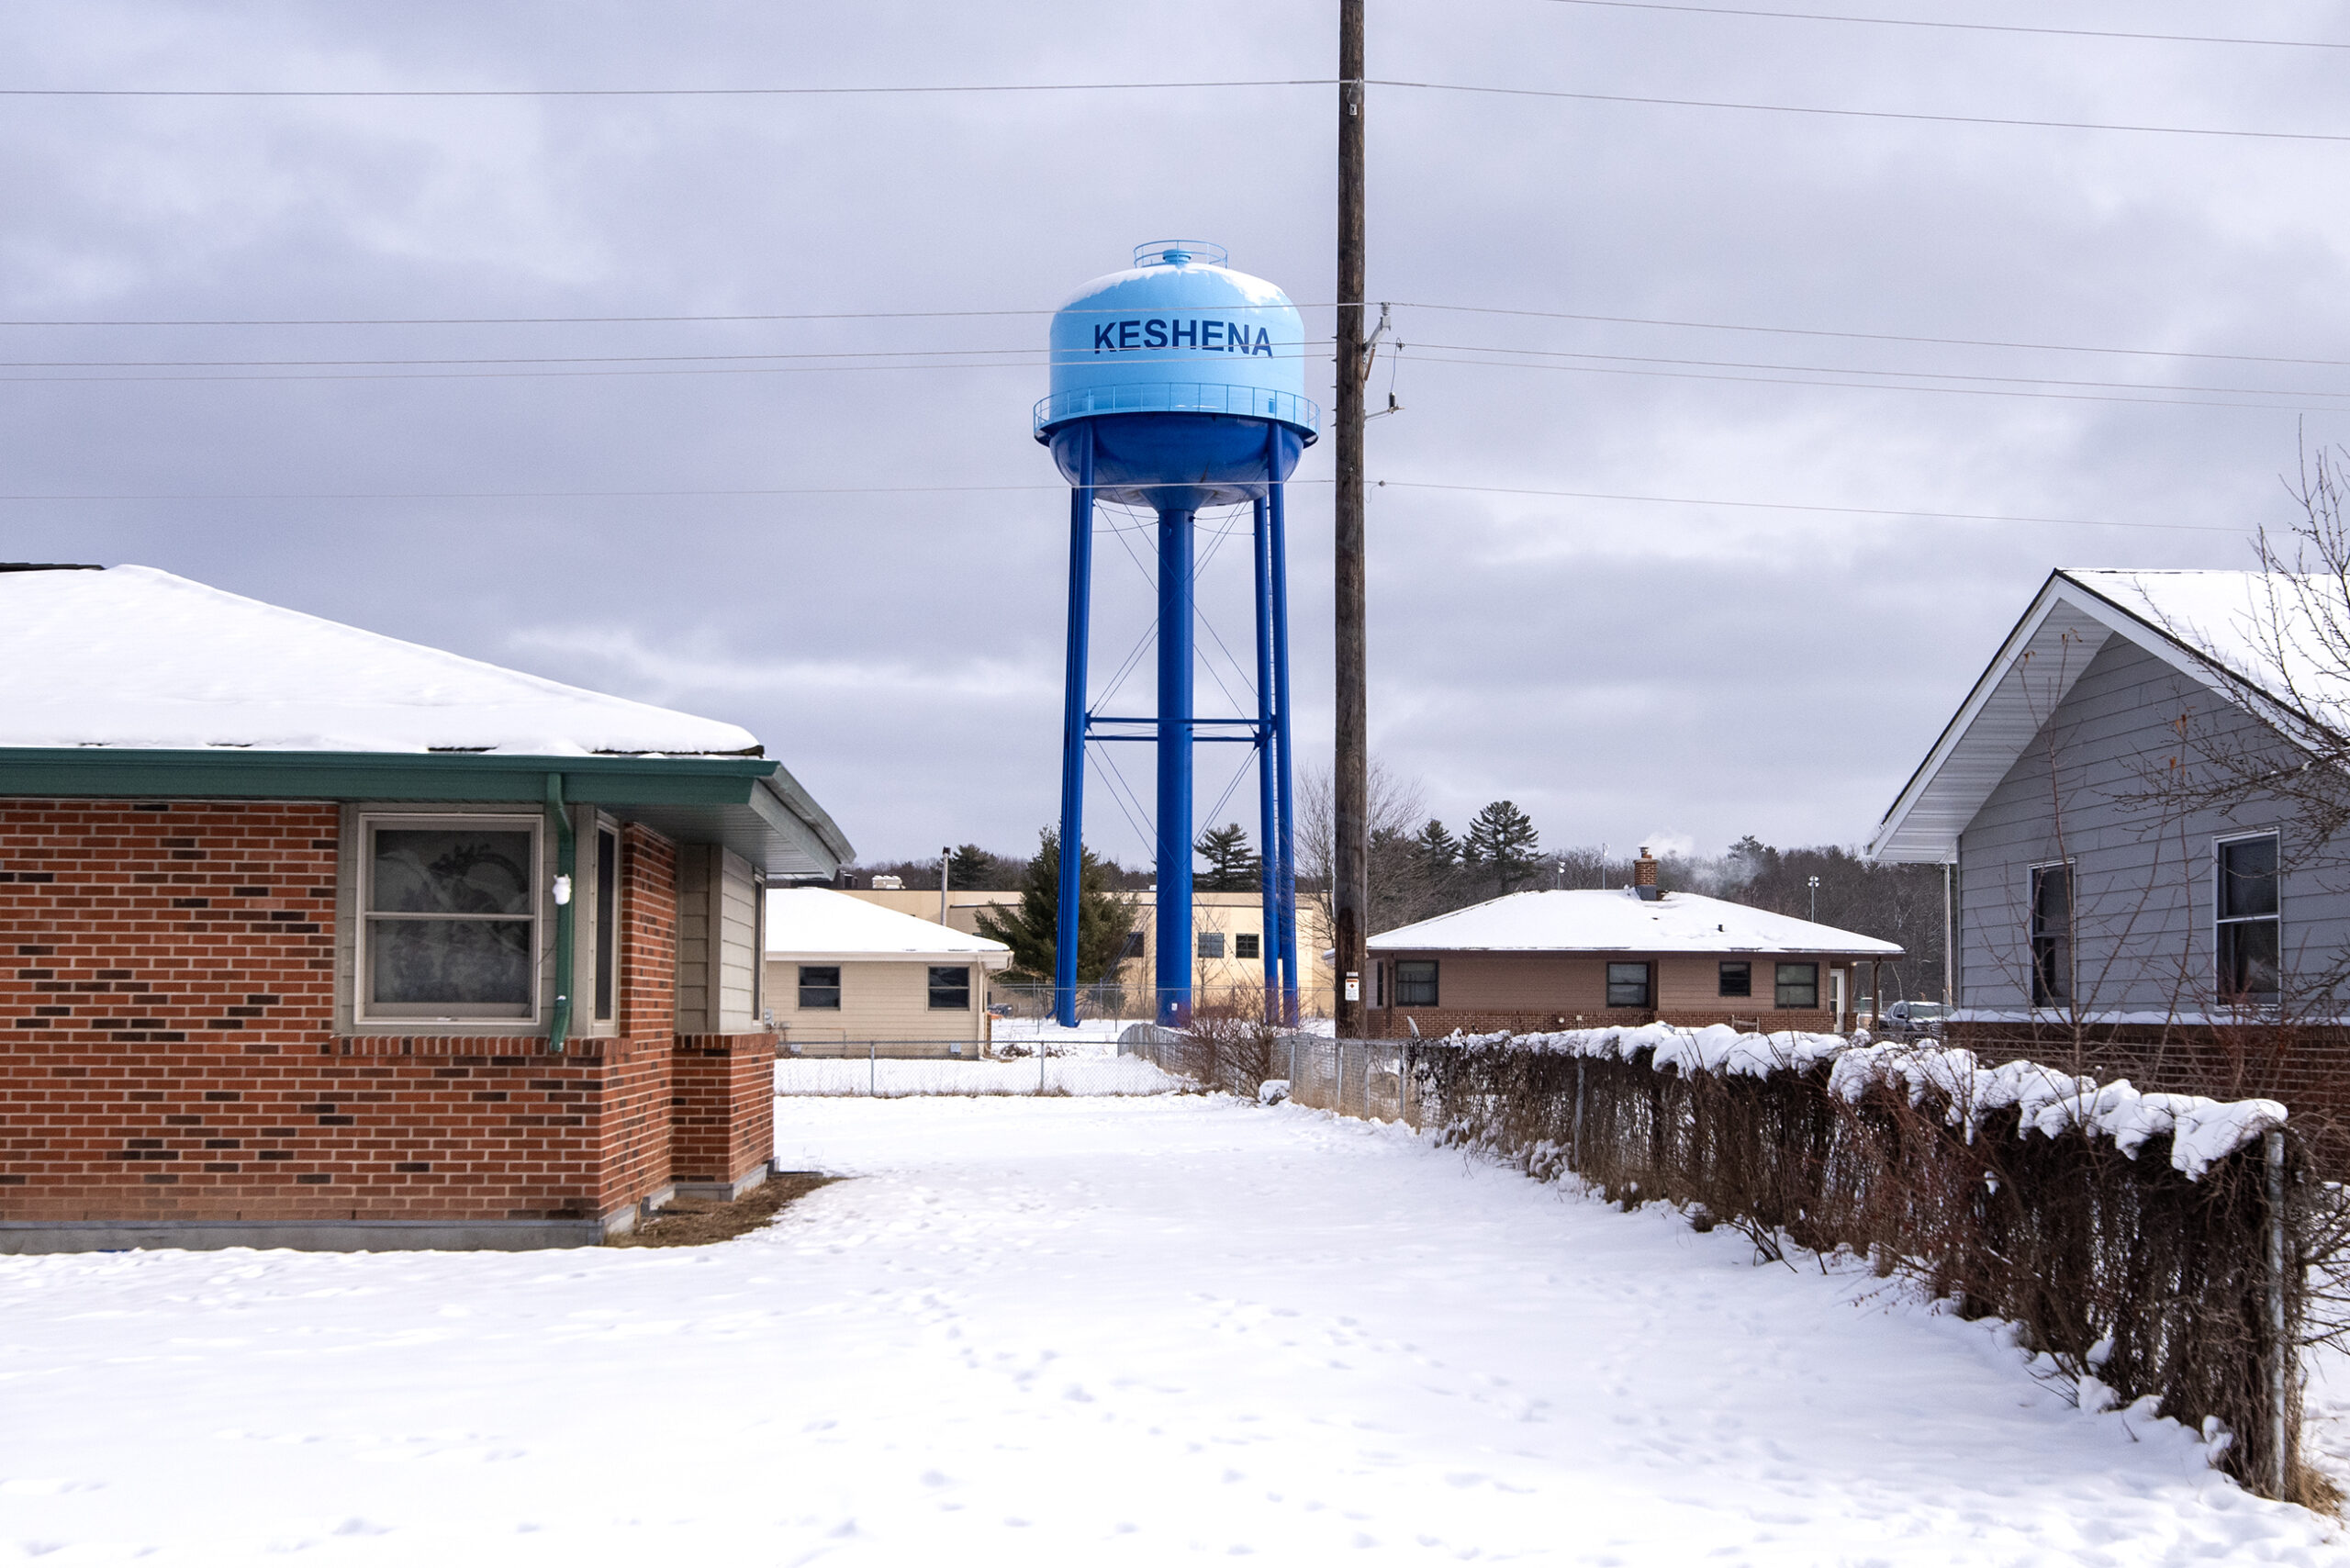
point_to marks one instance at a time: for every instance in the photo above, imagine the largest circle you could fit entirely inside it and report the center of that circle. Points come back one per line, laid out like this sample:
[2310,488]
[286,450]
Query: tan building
[1588,959]
[847,976]
[1228,934]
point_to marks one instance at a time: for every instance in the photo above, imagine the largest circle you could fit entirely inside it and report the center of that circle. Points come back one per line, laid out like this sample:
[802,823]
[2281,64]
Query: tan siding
[736,921]
[881,999]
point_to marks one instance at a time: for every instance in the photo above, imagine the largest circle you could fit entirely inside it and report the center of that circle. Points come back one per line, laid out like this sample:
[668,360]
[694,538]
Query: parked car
[1911,1019]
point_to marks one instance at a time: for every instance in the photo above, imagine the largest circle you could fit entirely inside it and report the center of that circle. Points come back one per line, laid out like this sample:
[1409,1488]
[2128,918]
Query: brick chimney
[1644,875]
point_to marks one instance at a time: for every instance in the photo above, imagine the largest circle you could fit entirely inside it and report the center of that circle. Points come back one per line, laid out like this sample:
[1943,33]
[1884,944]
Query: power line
[1029,355]
[880,90]
[1911,115]
[1863,337]
[1806,507]
[586,495]
[1667,321]
[1854,370]
[1951,26]
[1914,115]
[1856,386]
[1918,513]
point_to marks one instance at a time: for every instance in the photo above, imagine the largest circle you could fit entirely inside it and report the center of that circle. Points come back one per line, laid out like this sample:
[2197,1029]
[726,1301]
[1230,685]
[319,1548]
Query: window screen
[607,918]
[2249,944]
[820,985]
[1738,978]
[950,988]
[1247,944]
[1415,982]
[1628,985]
[1796,985]
[452,920]
[1211,944]
[2051,935]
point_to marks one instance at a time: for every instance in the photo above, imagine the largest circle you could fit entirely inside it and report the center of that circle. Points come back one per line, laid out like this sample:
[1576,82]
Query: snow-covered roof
[2246,636]
[1618,921]
[138,658]
[817,922]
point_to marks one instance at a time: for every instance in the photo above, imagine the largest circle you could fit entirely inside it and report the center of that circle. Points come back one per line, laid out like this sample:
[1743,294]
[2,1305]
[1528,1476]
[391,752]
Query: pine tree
[971,867]
[1030,930]
[1232,866]
[1439,852]
[1500,846]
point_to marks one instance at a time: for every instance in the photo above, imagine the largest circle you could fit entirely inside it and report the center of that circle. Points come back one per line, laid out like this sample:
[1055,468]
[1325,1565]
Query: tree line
[1421,869]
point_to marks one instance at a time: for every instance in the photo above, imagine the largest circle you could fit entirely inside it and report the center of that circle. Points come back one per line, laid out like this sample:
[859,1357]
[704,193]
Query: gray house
[2139,859]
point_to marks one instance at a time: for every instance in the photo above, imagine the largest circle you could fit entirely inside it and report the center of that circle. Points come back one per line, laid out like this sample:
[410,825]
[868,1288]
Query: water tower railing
[1178,397]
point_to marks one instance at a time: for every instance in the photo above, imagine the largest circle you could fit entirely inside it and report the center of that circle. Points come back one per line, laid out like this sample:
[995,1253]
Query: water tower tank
[1218,355]
[1180,384]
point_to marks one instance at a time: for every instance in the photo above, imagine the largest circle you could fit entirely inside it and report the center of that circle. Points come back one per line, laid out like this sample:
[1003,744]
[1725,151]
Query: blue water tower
[1179,385]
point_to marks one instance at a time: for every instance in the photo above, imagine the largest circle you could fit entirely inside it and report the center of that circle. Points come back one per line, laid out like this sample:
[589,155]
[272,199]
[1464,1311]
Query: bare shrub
[1228,1048]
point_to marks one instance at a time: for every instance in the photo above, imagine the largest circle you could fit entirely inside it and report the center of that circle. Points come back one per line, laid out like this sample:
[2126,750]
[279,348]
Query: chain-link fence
[1370,1078]
[1244,1001]
[881,1075]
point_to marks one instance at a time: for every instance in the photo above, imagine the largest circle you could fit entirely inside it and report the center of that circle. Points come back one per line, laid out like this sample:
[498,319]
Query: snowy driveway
[1069,1331]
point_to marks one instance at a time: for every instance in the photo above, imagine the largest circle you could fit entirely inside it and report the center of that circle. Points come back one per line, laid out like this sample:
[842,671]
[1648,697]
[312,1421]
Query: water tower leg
[1175,655]
[1268,861]
[1284,810]
[1072,842]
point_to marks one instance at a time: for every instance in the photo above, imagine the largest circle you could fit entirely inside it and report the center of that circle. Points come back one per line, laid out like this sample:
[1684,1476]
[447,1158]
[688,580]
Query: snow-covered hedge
[2048,1102]
[2124,1233]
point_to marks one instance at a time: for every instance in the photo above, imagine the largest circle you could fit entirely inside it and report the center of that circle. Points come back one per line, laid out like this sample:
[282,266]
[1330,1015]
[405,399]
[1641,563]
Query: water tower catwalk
[1180,384]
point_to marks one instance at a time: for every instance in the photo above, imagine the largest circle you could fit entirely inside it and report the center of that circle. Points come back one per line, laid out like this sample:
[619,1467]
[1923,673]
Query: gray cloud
[1620,667]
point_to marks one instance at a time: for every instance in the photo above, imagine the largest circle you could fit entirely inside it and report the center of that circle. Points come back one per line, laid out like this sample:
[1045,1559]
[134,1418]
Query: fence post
[1574,1142]
[2279,1358]
[872,1070]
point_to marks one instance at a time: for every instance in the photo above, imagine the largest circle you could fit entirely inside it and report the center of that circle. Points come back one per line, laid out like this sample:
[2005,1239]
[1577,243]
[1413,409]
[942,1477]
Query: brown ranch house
[312,937]
[1587,958]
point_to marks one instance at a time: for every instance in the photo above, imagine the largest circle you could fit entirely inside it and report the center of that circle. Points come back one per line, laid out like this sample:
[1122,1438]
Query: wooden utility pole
[1351,781]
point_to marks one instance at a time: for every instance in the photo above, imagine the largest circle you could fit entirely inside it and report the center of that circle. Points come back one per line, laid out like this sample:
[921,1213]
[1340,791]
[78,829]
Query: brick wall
[635,1146]
[723,1106]
[167,1047]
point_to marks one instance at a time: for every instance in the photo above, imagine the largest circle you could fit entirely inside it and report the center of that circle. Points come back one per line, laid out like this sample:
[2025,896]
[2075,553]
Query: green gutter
[566,864]
[232,772]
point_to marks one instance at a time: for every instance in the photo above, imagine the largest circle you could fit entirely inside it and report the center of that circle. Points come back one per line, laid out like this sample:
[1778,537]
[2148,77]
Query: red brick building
[312,937]
[1592,959]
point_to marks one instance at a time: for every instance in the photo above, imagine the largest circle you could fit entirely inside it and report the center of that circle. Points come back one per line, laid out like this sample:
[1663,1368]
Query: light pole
[1815,897]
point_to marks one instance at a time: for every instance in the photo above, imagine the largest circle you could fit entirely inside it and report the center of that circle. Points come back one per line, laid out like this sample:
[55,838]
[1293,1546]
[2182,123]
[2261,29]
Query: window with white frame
[2051,935]
[2250,942]
[449,925]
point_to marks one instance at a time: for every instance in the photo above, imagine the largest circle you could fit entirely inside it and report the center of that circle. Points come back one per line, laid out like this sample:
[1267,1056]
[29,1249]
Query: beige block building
[1228,934]
[846,976]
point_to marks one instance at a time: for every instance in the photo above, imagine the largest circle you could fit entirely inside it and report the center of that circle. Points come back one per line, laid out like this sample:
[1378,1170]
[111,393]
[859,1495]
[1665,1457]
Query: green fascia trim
[95,772]
[783,793]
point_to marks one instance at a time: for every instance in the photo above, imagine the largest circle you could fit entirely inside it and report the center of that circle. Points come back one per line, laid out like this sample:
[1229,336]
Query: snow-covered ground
[1075,1331]
[1096,1035]
[1048,1074]
[1088,1036]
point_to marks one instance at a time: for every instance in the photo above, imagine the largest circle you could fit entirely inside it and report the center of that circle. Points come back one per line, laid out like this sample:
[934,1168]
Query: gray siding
[2143,871]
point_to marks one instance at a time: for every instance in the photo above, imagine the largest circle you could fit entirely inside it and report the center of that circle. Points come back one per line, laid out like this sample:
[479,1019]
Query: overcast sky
[1627,670]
